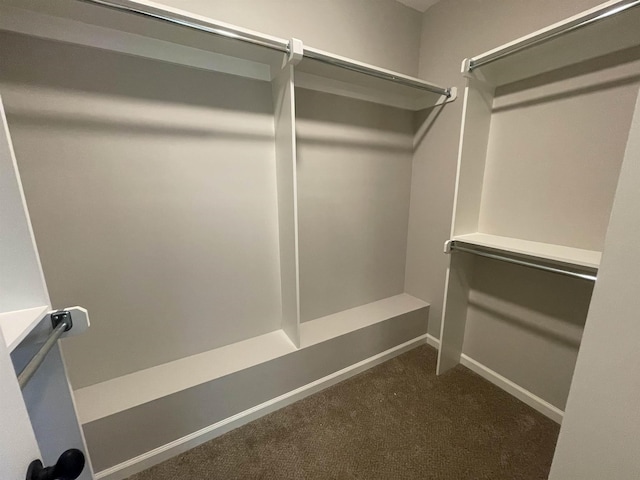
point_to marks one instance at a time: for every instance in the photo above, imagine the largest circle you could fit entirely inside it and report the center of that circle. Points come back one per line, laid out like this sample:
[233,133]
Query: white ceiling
[420,5]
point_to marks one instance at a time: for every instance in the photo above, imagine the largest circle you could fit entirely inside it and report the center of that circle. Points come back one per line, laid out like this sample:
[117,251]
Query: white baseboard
[433,341]
[525,396]
[535,402]
[160,454]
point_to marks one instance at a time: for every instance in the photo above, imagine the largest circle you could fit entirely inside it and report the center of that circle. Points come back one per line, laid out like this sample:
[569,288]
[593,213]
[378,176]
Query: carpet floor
[394,421]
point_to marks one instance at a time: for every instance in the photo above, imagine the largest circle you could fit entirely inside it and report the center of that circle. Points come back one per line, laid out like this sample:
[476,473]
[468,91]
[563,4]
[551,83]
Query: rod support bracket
[447,246]
[295,51]
[61,316]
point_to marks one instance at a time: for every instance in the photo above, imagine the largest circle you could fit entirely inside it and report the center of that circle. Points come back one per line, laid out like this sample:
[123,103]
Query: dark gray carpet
[395,421]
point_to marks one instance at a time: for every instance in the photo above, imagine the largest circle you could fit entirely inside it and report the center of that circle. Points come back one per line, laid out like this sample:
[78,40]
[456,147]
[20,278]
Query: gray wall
[525,327]
[354,180]
[380,32]
[135,171]
[106,136]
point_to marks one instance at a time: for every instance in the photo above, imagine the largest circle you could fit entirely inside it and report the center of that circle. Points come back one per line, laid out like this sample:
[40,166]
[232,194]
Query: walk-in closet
[227,213]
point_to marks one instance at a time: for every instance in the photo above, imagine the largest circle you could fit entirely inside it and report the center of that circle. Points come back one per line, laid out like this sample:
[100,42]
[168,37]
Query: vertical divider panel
[474,138]
[284,104]
[454,313]
[22,282]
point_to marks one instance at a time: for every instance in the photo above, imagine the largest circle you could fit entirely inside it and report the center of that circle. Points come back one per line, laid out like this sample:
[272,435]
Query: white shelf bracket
[453,96]
[466,68]
[80,318]
[447,247]
[296,51]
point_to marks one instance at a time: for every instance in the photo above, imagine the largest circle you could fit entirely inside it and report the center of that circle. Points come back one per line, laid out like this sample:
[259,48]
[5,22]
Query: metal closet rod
[539,266]
[272,44]
[61,322]
[376,73]
[570,27]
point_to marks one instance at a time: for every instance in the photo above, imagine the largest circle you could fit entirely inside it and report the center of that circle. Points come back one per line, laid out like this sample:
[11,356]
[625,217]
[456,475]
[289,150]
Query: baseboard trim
[433,341]
[160,454]
[522,394]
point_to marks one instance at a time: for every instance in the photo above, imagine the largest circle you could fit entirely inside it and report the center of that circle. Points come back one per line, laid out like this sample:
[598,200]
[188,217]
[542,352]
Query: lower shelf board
[128,391]
[121,393]
[325,328]
[138,413]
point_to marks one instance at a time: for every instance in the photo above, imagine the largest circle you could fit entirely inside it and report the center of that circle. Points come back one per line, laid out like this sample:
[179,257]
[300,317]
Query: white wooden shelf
[80,23]
[341,323]
[359,80]
[608,28]
[121,393]
[128,391]
[545,251]
[17,325]
[141,35]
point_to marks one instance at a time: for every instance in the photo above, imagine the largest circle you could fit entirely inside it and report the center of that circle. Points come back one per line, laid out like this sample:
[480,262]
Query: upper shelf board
[611,27]
[141,28]
[555,253]
[150,30]
[326,72]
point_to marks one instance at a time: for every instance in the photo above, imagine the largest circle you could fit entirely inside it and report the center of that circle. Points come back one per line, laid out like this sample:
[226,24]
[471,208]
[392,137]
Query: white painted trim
[160,454]
[522,394]
[535,402]
[433,341]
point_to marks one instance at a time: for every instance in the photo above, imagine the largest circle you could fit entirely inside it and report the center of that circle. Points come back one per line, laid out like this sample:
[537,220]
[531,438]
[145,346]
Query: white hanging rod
[408,82]
[61,322]
[262,41]
[579,23]
[474,250]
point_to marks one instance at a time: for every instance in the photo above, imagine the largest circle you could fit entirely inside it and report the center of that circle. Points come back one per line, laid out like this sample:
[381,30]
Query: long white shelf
[121,393]
[128,391]
[143,35]
[18,324]
[341,323]
[547,251]
[610,27]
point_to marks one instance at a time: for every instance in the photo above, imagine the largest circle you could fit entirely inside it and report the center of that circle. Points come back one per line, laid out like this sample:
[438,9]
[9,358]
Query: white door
[39,422]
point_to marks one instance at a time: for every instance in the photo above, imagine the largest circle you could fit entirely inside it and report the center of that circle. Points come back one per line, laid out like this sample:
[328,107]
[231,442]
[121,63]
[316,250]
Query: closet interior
[538,168]
[231,208]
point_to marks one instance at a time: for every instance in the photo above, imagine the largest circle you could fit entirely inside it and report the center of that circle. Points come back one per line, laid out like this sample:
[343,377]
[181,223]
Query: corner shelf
[546,251]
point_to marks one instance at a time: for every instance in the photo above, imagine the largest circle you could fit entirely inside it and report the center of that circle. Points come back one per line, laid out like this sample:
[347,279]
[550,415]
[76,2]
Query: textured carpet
[395,421]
